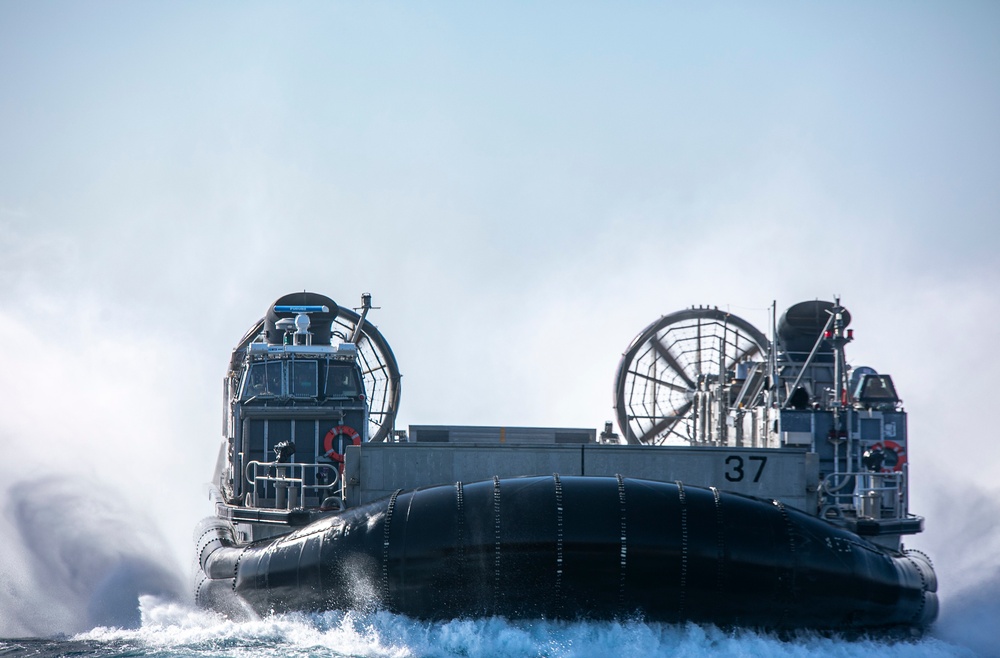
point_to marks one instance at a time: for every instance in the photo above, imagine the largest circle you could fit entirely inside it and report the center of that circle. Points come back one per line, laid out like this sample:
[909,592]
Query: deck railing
[874,496]
[290,483]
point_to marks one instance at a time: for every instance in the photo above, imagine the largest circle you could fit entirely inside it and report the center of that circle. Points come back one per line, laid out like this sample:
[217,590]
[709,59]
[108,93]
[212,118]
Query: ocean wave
[173,629]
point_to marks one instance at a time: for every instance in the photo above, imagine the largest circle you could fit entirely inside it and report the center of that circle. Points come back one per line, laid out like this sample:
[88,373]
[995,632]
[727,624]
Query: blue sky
[507,135]
[522,187]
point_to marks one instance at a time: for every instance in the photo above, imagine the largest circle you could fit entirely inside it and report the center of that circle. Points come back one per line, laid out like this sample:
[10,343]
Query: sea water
[171,629]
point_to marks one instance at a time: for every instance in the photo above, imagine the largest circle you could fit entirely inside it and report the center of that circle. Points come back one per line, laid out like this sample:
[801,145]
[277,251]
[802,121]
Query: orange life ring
[331,437]
[898,450]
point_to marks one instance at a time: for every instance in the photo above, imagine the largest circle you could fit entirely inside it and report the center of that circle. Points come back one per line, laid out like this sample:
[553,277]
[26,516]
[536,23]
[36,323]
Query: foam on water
[173,629]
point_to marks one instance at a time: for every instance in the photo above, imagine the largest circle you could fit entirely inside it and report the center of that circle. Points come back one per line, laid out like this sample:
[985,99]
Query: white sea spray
[172,629]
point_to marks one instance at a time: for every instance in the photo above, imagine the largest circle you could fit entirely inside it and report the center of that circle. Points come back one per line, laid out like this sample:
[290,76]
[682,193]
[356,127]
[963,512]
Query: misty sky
[522,187]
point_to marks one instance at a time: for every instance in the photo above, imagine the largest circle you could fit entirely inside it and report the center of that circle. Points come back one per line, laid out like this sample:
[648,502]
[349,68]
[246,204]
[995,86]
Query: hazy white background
[522,188]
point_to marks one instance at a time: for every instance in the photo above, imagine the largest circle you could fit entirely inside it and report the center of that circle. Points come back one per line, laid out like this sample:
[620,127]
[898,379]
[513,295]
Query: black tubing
[800,327]
[320,322]
[586,547]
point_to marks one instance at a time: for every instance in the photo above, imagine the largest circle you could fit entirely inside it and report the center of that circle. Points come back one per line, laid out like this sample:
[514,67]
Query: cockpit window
[877,389]
[274,378]
[263,380]
[341,382]
[255,383]
[299,379]
[304,378]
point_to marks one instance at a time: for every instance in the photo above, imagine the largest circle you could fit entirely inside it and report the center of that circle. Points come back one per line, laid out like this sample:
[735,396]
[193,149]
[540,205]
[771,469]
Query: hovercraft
[755,483]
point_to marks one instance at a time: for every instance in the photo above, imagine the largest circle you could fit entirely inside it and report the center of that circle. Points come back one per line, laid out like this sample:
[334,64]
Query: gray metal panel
[796,421]
[286,413]
[790,476]
[871,429]
[894,426]
[375,470]
[500,435]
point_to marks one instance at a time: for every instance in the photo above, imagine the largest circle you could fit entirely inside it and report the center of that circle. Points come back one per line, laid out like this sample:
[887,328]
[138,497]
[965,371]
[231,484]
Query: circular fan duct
[379,369]
[670,362]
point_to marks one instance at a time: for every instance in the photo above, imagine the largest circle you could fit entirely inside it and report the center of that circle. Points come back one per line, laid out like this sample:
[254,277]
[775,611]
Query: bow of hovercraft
[756,482]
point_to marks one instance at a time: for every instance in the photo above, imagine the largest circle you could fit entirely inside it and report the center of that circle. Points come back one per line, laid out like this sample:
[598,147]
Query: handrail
[289,482]
[879,496]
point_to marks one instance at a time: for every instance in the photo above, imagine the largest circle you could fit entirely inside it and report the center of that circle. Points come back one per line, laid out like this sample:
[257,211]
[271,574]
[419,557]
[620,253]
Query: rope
[624,547]
[559,538]
[684,548]
[385,546]
[496,553]
[460,511]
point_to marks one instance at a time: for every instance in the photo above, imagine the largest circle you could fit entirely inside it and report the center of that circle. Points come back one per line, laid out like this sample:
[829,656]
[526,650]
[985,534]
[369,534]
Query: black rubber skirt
[576,548]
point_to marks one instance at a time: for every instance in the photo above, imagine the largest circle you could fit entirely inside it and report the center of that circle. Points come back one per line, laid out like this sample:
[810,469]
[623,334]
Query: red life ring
[896,449]
[330,446]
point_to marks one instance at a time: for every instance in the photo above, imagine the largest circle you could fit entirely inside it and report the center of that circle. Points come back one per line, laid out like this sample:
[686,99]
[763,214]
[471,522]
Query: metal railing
[289,481]
[874,496]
